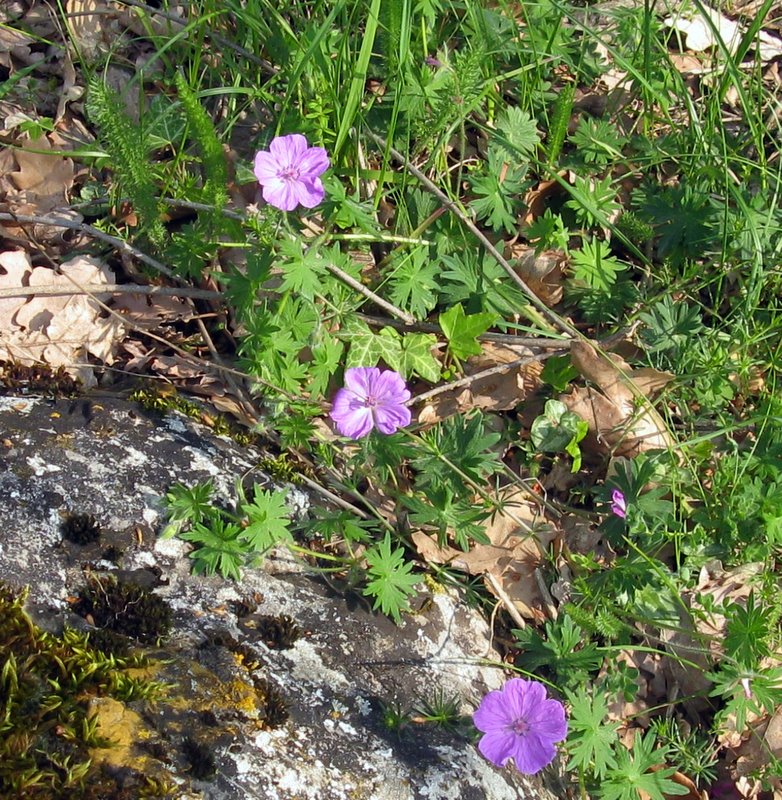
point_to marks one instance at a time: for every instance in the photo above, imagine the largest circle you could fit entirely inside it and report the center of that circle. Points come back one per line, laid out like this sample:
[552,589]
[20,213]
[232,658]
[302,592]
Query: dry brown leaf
[150,312]
[15,44]
[40,174]
[614,419]
[542,272]
[498,392]
[705,28]
[511,557]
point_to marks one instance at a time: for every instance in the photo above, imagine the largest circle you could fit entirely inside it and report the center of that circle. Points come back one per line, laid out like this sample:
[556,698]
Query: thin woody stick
[370,295]
[114,241]
[111,288]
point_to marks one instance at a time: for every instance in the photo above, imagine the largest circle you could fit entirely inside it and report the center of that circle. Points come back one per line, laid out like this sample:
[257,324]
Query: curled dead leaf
[617,420]
[497,391]
[60,330]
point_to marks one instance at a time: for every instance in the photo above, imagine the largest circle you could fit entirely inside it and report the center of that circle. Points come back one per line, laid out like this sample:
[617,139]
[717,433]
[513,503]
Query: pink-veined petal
[361,380]
[532,753]
[497,746]
[492,713]
[280,194]
[309,191]
[388,419]
[266,166]
[288,149]
[356,424]
[314,162]
[390,388]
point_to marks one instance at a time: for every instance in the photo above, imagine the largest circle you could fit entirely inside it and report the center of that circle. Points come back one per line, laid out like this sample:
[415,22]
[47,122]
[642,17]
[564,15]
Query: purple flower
[370,399]
[289,172]
[618,504]
[522,723]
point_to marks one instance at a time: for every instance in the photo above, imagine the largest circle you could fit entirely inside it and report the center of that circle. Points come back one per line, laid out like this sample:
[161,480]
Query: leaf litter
[618,401]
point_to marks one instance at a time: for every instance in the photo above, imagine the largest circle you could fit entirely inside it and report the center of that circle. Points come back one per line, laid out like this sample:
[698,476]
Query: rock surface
[110,459]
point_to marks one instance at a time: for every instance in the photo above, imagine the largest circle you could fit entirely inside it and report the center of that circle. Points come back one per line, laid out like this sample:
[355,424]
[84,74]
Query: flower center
[289,173]
[370,401]
[519,726]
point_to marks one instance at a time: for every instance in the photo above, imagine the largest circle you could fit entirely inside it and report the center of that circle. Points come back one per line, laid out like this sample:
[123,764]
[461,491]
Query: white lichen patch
[133,457]
[173,548]
[41,467]
[308,667]
[19,405]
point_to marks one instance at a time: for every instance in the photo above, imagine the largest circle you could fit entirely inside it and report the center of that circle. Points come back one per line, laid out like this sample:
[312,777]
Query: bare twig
[504,338]
[111,288]
[544,311]
[496,587]
[370,295]
[467,380]
[114,241]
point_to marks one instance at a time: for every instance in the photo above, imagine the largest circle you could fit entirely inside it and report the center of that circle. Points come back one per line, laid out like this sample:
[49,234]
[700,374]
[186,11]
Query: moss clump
[46,685]
[278,633]
[272,708]
[124,607]
[37,379]
[201,762]
[80,529]
[153,399]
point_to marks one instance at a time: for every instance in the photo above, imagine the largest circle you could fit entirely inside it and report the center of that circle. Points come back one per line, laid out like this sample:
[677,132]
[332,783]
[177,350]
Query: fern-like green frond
[202,131]
[125,142]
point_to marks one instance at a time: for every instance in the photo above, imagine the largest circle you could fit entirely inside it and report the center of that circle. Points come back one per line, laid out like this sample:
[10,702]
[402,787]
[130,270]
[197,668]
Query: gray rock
[109,459]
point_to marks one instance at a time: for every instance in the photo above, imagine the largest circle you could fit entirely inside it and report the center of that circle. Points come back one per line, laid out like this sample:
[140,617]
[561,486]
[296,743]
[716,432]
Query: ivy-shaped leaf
[462,330]
[417,357]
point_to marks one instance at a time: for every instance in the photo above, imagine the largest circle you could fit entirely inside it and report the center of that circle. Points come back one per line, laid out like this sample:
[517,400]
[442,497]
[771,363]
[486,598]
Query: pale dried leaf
[63,330]
[150,312]
[704,27]
[17,266]
[542,272]
[39,311]
[40,174]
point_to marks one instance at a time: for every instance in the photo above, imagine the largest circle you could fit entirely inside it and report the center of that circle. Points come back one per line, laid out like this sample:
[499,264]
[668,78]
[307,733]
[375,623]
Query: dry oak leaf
[497,392]
[42,175]
[617,420]
[17,266]
[542,272]
[705,28]
[516,540]
[62,330]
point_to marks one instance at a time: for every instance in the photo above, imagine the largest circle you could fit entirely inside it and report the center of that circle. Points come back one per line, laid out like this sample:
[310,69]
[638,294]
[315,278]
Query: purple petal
[549,721]
[361,380]
[532,753]
[390,419]
[288,149]
[492,713]
[280,194]
[355,425]
[390,388]
[498,746]
[314,162]
[309,191]
[522,697]
[266,166]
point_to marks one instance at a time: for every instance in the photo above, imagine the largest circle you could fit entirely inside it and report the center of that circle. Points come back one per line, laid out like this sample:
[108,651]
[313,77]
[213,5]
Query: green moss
[152,399]
[47,684]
